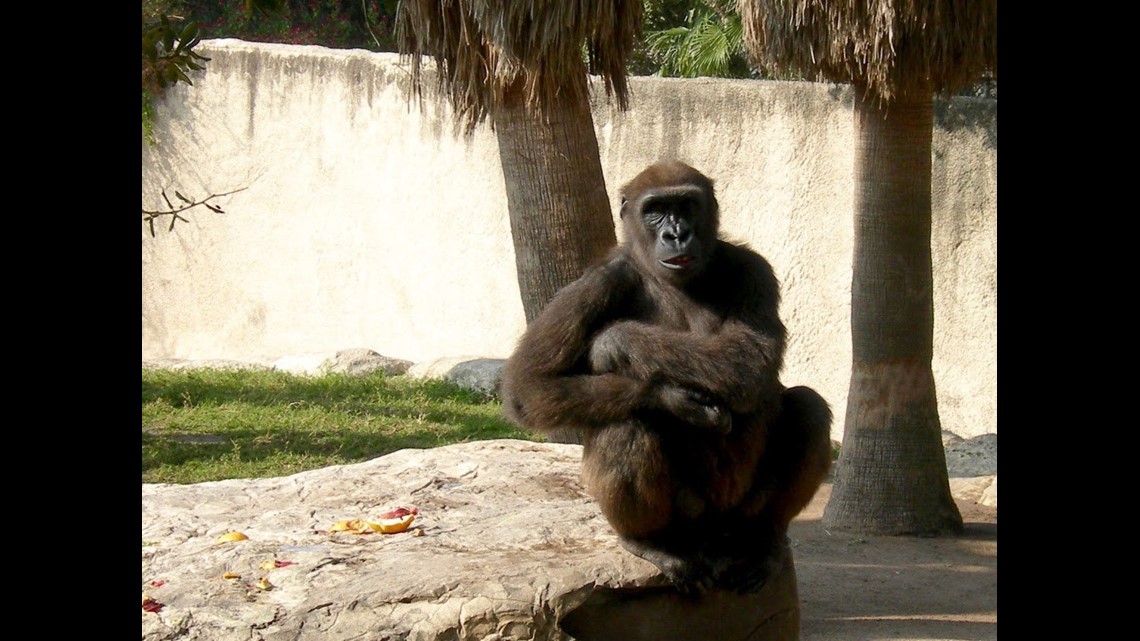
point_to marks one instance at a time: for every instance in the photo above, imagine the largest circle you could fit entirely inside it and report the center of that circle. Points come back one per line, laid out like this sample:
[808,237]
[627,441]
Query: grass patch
[209,425]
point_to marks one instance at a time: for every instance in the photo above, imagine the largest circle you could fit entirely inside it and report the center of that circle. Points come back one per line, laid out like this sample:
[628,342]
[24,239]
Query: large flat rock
[506,544]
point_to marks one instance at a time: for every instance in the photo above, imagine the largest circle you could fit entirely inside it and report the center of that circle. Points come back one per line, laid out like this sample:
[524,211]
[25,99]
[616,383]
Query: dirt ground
[875,588]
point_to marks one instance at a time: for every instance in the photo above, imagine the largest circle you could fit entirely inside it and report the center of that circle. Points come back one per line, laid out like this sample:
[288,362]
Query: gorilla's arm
[738,363]
[546,383]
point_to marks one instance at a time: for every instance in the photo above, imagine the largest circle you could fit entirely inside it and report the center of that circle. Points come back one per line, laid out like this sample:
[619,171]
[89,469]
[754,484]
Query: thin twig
[172,211]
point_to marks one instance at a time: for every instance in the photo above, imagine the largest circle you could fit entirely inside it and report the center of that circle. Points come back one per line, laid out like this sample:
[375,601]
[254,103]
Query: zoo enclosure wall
[364,221]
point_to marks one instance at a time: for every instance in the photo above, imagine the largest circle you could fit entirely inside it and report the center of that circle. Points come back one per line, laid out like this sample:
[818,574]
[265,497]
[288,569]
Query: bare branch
[149,216]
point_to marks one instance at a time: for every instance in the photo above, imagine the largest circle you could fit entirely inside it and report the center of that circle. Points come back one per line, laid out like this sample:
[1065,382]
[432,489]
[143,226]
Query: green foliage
[707,45]
[692,38]
[206,425]
[687,38]
[148,118]
[342,24]
[168,57]
[168,54]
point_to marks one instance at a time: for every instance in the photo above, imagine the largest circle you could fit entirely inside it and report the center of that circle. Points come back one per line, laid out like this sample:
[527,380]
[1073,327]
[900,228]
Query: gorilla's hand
[607,352]
[694,407]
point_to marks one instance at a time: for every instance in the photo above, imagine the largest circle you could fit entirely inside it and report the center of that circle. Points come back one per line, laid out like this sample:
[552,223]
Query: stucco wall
[364,222]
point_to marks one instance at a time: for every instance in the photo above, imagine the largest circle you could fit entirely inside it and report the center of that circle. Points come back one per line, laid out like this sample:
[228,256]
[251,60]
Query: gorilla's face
[672,222]
[672,231]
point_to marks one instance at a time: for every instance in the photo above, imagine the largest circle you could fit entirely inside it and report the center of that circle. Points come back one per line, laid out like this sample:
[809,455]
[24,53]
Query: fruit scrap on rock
[389,522]
[231,536]
[275,563]
[355,526]
[394,525]
[150,605]
[396,520]
[400,512]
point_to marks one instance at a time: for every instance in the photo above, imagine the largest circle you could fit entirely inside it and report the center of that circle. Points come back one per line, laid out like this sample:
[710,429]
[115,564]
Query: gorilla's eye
[653,217]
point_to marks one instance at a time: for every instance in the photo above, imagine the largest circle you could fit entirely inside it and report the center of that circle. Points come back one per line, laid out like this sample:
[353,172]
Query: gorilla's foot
[750,573]
[691,575]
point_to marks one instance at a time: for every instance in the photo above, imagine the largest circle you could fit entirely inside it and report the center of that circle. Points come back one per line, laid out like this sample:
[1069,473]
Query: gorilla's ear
[623,206]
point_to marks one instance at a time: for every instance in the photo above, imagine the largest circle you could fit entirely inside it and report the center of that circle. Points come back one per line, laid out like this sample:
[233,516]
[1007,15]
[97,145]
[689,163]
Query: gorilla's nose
[678,235]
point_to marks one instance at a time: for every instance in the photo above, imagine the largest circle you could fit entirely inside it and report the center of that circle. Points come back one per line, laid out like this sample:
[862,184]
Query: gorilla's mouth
[679,262]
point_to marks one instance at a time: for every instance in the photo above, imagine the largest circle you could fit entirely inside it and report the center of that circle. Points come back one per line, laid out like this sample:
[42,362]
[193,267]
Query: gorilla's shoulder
[615,271]
[617,264]
[739,256]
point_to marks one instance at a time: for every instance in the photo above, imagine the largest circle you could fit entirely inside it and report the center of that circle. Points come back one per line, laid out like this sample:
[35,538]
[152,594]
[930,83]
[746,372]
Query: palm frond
[483,48]
[890,46]
[711,48]
[708,47]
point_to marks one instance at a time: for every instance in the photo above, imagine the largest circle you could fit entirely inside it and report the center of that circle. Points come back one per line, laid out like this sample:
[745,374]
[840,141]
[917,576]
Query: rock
[303,364]
[972,465]
[437,368]
[658,614]
[508,546]
[356,362]
[482,375]
[215,363]
[361,362]
[972,457]
[971,488]
[989,495]
[469,372]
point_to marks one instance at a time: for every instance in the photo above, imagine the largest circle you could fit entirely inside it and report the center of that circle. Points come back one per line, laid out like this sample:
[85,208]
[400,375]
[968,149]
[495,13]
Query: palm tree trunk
[556,194]
[556,198]
[891,476]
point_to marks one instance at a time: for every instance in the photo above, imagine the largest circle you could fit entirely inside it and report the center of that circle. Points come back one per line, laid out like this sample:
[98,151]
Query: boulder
[361,362]
[989,495]
[506,546]
[972,465]
[214,363]
[469,372]
[355,361]
[975,456]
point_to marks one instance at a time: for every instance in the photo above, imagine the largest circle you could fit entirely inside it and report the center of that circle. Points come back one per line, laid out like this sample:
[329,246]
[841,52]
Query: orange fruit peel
[394,525]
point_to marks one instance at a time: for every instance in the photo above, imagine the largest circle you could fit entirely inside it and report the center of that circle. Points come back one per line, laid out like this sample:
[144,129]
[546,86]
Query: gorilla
[665,358]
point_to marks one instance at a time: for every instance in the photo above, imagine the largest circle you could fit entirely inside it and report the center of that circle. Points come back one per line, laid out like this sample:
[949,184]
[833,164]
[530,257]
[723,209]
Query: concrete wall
[364,222]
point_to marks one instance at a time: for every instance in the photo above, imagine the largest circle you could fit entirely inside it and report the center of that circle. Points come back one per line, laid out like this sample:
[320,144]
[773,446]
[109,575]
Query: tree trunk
[556,194]
[556,198]
[891,475]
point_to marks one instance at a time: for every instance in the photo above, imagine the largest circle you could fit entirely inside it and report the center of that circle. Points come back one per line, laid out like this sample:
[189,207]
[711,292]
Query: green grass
[209,425]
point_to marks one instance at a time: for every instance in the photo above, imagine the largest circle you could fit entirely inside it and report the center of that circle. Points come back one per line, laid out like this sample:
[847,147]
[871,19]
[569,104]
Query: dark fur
[696,453]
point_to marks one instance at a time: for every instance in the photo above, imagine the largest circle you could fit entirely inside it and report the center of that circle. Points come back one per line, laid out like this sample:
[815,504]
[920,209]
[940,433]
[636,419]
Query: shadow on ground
[875,588]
